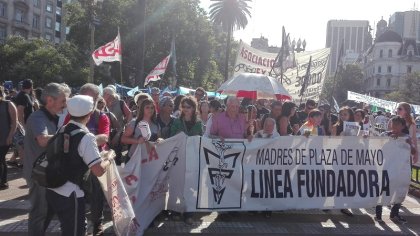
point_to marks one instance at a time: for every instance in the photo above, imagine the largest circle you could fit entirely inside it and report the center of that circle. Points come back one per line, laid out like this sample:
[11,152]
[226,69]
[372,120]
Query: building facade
[33,19]
[354,33]
[406,24]
[261,43]
[388,62]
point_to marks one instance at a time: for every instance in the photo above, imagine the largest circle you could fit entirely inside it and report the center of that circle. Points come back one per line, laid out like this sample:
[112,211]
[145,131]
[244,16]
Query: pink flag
[158,70]
[109,52]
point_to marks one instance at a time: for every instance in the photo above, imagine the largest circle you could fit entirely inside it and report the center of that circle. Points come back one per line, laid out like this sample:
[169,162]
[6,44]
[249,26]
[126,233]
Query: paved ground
[14,208]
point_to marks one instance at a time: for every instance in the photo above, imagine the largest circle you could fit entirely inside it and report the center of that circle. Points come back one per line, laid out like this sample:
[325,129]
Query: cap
[80,105]
[27,84]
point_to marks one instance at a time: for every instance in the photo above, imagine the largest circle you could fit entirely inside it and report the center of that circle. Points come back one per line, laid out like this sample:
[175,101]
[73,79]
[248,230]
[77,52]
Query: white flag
[158,70]
[108,52]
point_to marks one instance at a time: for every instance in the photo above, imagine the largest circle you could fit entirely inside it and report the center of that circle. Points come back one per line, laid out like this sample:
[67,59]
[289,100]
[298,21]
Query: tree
[41,61]
[196,39]
[349,79]
[230,14]
[409,91]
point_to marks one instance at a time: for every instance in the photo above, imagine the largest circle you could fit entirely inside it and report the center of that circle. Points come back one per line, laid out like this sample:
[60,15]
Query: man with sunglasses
[200,94]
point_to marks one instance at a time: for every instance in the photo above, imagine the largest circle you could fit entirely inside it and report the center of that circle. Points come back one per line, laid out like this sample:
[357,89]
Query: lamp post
[299,46]
[92,24]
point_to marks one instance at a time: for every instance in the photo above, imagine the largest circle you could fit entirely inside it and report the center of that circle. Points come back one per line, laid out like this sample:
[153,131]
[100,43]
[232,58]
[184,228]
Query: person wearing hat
[68,201]
[25,101]
[40,127]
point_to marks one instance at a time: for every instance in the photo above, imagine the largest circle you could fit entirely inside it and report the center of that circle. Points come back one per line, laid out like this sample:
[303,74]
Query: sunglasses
[186,107]
[199,94]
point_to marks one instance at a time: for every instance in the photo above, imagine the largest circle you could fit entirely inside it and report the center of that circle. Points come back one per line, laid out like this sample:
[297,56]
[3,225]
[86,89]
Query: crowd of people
[30,117]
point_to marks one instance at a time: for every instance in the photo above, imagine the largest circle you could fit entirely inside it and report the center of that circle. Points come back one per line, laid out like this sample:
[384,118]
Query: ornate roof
[389,36]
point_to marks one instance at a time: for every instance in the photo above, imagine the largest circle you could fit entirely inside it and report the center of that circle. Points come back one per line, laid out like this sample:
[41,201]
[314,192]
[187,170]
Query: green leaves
[39,60]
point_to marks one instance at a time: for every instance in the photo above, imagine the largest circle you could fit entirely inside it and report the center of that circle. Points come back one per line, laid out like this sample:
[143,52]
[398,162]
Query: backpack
[51,168]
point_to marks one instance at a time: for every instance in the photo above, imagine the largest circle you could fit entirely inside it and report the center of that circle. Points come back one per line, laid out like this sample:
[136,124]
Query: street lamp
[299,46]
[92,24]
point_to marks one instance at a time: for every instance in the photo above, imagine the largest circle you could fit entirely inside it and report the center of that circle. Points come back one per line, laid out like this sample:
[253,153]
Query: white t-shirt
[89,151]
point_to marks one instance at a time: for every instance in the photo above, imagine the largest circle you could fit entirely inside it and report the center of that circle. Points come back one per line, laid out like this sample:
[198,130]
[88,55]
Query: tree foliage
[197,41]
[230,14]
[41,61]
[409,91]
[349,78]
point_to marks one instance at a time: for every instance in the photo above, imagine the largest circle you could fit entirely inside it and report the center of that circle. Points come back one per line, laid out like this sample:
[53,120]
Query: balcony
[21,25]
[23,3]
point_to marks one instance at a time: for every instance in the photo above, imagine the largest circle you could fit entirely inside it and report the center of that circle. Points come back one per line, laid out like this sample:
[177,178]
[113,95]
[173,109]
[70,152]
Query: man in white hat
[68,201]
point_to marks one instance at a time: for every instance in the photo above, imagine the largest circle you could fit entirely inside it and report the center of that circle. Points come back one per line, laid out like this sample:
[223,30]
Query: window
[378,82]
[67,30]
[48,37]
[379,69]
[57,40]
[36,3]
[58,11]
[35,22]
[19,15]
[388,83]
[381,53]
[49,7]
[3,9]
[48,22]
[390,53]
[409,68]
[57,26]
[389,69]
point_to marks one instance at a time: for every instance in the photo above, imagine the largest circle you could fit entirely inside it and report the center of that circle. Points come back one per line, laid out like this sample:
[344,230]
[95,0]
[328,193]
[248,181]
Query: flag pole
[121,73]
[340,55]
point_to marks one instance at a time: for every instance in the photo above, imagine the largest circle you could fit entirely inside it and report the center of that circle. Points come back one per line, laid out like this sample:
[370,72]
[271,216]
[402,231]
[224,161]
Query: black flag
[307,77]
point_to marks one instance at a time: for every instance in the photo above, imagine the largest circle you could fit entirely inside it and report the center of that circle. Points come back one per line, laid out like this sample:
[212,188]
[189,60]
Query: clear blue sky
[307,19]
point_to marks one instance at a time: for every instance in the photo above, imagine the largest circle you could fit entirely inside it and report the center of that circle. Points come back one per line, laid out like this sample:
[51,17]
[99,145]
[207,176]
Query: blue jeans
[70,211]
[40,214]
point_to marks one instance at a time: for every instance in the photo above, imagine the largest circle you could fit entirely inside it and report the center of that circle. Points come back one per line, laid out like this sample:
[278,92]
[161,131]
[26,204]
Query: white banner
[252,60]
[117,198]
[295,173]
[199,174]
[389,105]
[148,175]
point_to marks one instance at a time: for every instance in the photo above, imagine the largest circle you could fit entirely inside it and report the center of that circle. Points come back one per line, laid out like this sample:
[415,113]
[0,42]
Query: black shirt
[262,111]
[23,99]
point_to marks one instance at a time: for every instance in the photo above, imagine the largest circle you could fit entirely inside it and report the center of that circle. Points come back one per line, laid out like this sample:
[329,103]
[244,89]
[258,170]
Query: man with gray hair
[40,127]
[117,106]
[229,124]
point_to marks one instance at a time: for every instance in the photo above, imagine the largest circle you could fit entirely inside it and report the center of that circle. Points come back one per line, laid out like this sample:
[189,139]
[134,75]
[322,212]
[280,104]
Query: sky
[307,19]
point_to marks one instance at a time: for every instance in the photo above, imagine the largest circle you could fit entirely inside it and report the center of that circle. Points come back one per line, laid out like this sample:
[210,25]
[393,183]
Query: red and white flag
[108,52]
[158,70]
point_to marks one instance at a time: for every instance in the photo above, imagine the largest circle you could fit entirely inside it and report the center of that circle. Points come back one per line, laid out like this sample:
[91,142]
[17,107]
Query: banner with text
[154,179]
[388,105]
[252,60]
[295,173]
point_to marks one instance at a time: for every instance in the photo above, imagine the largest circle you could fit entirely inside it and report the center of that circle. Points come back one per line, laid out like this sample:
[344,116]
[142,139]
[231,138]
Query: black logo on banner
[172,159]
[224,170]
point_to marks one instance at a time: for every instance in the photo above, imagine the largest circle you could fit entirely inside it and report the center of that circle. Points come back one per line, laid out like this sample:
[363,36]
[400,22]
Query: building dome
[389,36]
[382,23]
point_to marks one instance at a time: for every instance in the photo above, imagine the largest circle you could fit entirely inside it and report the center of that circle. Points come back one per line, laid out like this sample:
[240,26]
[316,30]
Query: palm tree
[230,14]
